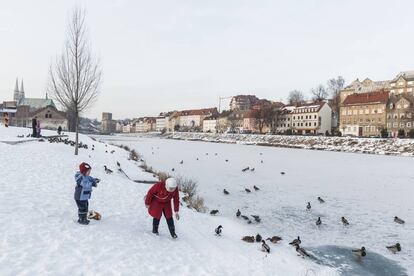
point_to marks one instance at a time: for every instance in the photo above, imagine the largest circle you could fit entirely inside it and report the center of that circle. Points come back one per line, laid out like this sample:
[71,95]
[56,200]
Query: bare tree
[296,97]
[319,93]
[75,77]
[334,87]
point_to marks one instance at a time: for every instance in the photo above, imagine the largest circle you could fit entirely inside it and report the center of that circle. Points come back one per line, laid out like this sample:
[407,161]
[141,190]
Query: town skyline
[186,55]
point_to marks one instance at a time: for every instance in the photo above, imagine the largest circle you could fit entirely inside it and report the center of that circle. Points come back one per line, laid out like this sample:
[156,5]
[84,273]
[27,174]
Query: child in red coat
[158,202]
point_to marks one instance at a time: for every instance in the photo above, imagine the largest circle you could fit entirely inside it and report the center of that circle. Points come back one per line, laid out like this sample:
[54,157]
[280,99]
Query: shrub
[197,203]
[401,133]
[411,133]
[384,133]
[187,186]
[133,155]
[327,133]
[163,131]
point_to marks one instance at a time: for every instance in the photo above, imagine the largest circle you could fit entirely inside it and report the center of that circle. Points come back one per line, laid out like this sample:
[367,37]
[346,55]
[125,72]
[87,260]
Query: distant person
[38,130]
[59,130]
[34,126]
[83,191]
[158,202]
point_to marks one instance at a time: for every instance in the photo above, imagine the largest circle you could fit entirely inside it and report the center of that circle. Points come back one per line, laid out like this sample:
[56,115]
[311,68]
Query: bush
[133,155]
[401,133]
[176,127]
[327,133]
[411,133]
[384,133]
[288,132]
[146,168]
[197,203]
[163,131]
[187,186]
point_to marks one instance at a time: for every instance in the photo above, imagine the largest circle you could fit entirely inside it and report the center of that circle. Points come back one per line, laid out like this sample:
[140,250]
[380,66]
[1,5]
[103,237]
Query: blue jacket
[84,186]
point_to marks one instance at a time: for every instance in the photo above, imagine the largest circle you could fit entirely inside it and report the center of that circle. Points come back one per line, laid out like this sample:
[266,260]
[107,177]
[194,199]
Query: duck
[308,207]
[225,192]
[252,169]
[118,164]
[360,252]
[261,161]
[344,221]
[218,230]
[238,213]
[319,221]
[296,241]
[245,169]
[182,162]
[282,173]
[398,220]
[214,212]
[227,160]
[112,151]
[258,238]
[247,190]
[321,200]
[394,248]
[172,169]
[108,171]
[302,252]
[265,247]
[256,188]
[249,239]
[256,218]
[274,239]
[244,217]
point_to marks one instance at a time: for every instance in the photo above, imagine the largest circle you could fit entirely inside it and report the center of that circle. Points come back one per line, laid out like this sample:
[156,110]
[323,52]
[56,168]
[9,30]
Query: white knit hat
[170,183]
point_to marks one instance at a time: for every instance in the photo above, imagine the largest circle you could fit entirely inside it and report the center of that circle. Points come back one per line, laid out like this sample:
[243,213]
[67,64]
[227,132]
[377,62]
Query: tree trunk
[77,134]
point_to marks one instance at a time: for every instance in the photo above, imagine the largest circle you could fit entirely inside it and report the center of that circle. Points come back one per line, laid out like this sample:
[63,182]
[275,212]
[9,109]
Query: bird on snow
[282,173]
[256,188]
[112,151]
[248,239]
[319,221]
[252,169]
[245,169]
[321,200]
[182,161]
[296,241]
[238,213]
[360,252]
[214,212]
[256,218]
[258,238]
[394,248]
[206,153]
[261,153]
[227,160]
[274,239]
[172,169]
[244,217]
[106,151]
[265,247]
[197,159]
[345,221]
[398,220]
[302,252]
[118,164]
[247,190]
[215,153]
[249,222]
[225,192]
[218,230]
[308,207]
[108,171]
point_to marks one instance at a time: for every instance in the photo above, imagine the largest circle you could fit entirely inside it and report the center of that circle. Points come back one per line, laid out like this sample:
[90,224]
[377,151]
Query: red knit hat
[84,168]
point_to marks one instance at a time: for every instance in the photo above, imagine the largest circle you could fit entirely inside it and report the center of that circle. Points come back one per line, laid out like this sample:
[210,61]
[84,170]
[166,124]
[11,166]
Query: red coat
[159,200]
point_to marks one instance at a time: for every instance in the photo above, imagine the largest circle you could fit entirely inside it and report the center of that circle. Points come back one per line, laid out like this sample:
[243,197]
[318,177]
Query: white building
[284,119]
[312,118]
[161,123]
[194,118]
[210,124]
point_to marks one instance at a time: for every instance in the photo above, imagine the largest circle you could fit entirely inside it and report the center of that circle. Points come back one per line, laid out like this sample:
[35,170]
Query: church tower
[16,94]
[21,94]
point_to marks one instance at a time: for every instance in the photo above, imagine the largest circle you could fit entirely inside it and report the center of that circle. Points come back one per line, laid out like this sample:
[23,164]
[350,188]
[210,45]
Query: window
[392,90]
[400,83]
[395,125]
[392,84]
[398,106]
[410,83]
[293,124]
[388,124]
[314,124]
[402,125]
[314,117]
[409,115]
[294,118]
[409,124]
[366,111]
[361,111]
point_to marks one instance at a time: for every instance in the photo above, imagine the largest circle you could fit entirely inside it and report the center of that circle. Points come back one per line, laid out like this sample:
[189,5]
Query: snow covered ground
[399,147]
[39,234]
[369,190]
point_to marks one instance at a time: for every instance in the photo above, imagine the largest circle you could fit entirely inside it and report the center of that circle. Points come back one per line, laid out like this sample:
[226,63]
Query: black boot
[171,227]
[155,224]
[83,220]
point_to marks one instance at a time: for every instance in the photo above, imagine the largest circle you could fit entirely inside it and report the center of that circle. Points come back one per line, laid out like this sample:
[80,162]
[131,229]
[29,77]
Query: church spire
[16,93]
[22,96]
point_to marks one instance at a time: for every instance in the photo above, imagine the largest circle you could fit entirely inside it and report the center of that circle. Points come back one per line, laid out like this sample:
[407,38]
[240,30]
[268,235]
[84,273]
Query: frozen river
[369,190]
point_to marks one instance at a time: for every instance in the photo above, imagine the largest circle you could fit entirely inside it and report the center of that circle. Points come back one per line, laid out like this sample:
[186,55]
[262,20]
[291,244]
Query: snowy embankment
[402,147]
[369,190]
[39,233]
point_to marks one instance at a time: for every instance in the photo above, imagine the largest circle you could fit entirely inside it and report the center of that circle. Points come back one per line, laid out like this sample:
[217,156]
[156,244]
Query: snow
[39,233]
[400,147]
[369,190]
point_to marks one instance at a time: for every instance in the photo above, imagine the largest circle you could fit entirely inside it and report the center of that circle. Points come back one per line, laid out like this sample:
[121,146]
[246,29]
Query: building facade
[400,114]
[210,124]
[364,114]
[312,118]
[243,102]
[403,83]
[108,124]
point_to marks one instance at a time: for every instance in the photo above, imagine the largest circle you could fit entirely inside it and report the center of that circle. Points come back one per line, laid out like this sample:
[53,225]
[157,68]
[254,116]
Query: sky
[170,55]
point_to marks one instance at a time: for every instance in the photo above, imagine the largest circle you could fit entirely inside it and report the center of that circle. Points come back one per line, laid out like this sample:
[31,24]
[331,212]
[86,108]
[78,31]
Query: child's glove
[177,216]
[97,180]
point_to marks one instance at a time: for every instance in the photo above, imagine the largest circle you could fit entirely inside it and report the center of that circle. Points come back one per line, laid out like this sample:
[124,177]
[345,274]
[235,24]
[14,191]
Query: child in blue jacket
[83,190]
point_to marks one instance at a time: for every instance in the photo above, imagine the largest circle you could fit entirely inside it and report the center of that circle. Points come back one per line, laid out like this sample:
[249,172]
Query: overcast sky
[165,55]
